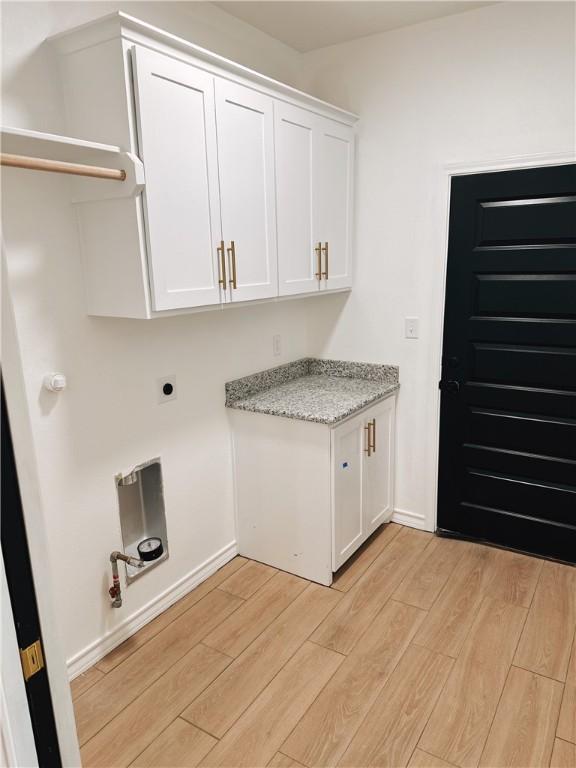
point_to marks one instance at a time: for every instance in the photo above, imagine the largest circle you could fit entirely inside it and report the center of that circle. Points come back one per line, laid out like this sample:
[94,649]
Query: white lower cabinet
[362,477]
[308,495]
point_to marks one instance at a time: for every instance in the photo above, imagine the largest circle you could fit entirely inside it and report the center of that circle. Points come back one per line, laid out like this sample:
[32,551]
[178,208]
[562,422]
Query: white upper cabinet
[297,261]
[245,128]
[332,174]
[314,171]
[177,140]
[244,188]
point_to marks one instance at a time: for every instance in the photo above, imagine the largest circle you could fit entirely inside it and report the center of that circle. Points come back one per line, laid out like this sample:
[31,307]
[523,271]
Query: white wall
[109,419]
[481,85]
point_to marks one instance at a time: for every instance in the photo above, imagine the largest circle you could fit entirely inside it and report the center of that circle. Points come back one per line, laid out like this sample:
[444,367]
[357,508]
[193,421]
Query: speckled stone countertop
[324,391]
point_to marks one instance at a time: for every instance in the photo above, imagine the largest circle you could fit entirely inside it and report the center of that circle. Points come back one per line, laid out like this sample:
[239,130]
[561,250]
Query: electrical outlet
[277,345]
[411,328]
[166,389]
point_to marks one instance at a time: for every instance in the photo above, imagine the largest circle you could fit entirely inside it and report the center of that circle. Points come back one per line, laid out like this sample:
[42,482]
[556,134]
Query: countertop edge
[391,389]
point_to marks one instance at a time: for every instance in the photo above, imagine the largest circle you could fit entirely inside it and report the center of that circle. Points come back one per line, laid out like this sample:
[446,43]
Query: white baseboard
[99,648]
[412,519]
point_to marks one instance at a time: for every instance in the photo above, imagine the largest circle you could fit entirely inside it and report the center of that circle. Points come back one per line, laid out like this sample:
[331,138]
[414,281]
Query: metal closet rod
[58,166]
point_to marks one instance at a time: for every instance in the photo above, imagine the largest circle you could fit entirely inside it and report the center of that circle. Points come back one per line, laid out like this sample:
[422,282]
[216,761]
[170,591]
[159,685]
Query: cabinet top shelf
[322,391]
[52,146]
[123,25]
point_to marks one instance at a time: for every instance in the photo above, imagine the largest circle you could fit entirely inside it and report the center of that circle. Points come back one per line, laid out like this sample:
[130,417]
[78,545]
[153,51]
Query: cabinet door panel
[348,444]
[333,172]
[177,141]
[293,132]
[379,467]
[246,167]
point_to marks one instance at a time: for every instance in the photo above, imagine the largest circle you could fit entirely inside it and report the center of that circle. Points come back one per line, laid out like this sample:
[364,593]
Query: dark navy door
[507,470]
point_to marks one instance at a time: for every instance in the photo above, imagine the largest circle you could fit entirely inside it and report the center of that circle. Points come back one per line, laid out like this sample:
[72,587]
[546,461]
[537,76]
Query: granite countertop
[323,391]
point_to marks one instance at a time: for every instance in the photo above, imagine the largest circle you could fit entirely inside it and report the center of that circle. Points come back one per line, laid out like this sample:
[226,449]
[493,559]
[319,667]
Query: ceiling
[308,24]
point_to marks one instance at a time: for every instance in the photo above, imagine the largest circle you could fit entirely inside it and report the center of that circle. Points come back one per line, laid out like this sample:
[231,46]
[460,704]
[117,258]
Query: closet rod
[58,166]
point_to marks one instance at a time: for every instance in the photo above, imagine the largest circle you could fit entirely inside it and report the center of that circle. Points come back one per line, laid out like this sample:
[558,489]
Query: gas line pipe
[115,590]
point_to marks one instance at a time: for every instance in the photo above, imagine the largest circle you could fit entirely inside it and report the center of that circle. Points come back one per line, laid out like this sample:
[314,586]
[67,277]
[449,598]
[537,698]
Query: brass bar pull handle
[318,252]
[232,254]
[325,249]
[373,431]
[222,256]
[367,450]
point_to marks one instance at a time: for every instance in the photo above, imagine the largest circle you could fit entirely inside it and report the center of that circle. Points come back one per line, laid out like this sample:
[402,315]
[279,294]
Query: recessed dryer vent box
[142,515]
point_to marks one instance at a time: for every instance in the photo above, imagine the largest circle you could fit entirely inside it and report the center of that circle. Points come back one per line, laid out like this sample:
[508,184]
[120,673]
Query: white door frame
[17,745]
[461,169]
[36,530]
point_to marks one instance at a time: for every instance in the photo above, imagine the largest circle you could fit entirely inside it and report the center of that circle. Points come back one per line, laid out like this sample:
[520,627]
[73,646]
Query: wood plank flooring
[425,652]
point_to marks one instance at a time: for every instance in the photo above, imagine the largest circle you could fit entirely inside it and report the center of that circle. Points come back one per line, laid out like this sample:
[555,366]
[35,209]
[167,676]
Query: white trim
[17,747]
[36,525]
[517,162]
[98,649]
[411,519]
[120,24]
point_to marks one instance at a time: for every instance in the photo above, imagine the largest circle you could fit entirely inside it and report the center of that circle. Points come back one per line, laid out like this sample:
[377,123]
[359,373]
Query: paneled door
[348,442]
[245,124]
[177,143]
[378,475]
[298,262]
[508,405]
[332,200]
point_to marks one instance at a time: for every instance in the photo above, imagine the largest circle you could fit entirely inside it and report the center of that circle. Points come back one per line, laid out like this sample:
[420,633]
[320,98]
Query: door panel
[545,435]
[297,267]
[508,422]
[379,468]
[524,221]
[555,502]
[176,129]
[347,450]
[333,174]
[527,365]
[246,166]
[547,296]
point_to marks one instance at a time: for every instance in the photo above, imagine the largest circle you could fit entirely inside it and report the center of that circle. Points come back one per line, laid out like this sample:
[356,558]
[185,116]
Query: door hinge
[32,659]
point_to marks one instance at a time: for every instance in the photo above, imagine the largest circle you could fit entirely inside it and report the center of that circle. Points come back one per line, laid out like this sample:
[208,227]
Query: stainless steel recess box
[142,514]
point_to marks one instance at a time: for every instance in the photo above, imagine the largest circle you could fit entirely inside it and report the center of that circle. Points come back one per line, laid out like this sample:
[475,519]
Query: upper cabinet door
[294,145]
[246,165]
[177,141]
[333,177]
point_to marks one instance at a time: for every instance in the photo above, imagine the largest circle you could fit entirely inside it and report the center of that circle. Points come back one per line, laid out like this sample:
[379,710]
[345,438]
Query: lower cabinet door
[347,452]
[378,474]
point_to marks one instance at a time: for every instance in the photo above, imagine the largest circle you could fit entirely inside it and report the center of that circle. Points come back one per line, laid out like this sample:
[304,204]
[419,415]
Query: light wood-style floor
[425,653]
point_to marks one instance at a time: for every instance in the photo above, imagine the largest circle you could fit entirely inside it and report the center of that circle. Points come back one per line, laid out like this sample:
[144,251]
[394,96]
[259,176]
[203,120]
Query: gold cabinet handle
[373,432]
[325,249]
[367,450]
[222,258]
[232,254]
[318,252]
